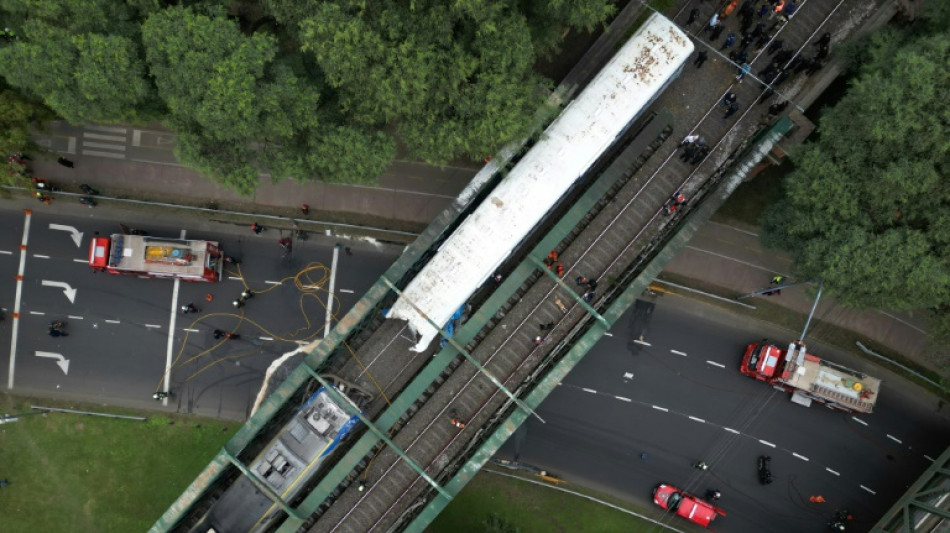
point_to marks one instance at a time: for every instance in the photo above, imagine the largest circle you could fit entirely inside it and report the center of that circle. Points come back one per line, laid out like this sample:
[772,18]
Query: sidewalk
[731,259]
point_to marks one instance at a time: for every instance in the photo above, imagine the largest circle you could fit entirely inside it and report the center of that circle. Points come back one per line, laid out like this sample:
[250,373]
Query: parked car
[765,469]
[686,505]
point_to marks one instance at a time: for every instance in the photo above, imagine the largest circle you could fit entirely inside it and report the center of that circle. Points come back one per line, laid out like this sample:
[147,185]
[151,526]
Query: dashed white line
[700,420]
[645,343]
[767,443]
[658,408]
[113,321]
[302,343]
[153,326]
[266,338]
[867,489]
[713,363]
[592,391]
[677,352]
[832,471]
[39,313]
[347,291]
[39,256]
[859,421]
[802,457]
[895,439]
[74,317]
[80,260]
[730,430]
[608,334]
[234,278]
[6,252]
[622,399]
[269,282]
[191,330]
[929,458]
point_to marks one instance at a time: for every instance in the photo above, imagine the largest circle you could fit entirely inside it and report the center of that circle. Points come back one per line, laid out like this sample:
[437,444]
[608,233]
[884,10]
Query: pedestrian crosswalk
[104,141]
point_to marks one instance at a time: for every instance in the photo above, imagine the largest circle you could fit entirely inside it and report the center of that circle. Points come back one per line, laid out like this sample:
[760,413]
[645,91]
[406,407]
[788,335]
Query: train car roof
[568,148]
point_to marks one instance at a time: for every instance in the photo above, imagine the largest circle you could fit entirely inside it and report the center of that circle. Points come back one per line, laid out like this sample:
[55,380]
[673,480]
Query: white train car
[586,128]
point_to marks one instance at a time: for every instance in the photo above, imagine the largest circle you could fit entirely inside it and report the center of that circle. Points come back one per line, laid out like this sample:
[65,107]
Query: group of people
[694,149]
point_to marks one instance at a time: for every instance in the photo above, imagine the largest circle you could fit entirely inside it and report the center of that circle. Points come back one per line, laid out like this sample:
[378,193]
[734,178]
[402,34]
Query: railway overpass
[406,462]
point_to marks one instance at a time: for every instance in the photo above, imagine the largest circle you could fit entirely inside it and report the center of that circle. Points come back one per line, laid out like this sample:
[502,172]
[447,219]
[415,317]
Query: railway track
[605,246]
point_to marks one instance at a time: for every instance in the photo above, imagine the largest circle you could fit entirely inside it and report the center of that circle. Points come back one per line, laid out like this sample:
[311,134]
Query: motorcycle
[87,201]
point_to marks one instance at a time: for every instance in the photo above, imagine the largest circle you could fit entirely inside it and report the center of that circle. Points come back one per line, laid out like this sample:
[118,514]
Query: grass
[527,508]
[71,472]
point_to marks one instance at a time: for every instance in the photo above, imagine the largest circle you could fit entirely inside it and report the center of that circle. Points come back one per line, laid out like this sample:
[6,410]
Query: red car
[686,505]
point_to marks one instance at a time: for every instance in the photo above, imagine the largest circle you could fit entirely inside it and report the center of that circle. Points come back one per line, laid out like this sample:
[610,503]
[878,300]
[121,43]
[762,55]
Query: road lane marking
[859,421]
[116,138]
[329,320]
[80,260]
[266,338]
[730,430]
[104,145]
[929,458]
[658,408]
[622,399]
[113,155]
[802,457]
[832,471]
[19,297]
[895,439]
[113,321]
[867,489]
[347,291]
[74,317]
[592,391]
[170,345]
[269,282]
[108,129]
[677,352]
[644,343]
[40,256]
[713,363]
[767,443]
[190,330]
[694,419]
[6,252]
[39,313]
[153,326]
[234,278]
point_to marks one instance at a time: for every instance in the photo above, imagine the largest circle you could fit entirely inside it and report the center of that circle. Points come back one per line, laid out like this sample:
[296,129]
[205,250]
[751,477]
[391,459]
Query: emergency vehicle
[810,378]
[157,257]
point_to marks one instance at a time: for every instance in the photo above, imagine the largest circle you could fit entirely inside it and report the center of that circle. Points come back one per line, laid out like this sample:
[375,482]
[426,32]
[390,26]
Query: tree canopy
[867,208]
[306,89]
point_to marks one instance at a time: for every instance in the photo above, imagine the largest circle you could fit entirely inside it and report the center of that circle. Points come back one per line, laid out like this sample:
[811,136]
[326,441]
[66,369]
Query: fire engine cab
[157,257]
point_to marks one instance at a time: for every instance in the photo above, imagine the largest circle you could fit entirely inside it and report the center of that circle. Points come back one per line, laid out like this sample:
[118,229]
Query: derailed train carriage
[293,457]
[572,145]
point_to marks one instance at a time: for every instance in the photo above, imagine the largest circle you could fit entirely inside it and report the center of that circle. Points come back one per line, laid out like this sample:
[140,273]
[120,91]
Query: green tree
[86,77]
[867,208]
[17,116]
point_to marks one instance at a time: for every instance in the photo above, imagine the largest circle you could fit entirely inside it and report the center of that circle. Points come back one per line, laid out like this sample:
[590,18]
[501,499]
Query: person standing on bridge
[701,58]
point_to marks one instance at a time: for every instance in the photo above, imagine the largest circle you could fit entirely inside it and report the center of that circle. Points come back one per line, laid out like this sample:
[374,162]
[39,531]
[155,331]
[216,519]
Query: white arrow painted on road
[60,360]
[70,292]
[77,235]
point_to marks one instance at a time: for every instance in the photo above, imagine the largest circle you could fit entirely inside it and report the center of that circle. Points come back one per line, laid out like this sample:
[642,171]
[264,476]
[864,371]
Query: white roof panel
[570,145]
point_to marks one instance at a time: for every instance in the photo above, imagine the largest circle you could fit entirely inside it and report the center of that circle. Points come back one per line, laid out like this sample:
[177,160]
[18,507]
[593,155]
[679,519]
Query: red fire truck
[810,378]
[157,257]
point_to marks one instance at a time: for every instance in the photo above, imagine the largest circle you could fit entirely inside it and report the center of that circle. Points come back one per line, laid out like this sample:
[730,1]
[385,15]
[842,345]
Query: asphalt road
[124,332]
[677,396]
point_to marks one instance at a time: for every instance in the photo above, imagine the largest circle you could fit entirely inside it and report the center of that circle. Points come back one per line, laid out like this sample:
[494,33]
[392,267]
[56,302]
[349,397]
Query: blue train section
[284,467]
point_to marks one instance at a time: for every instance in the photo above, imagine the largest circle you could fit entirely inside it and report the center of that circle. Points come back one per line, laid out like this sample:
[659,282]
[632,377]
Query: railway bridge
[393,412]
